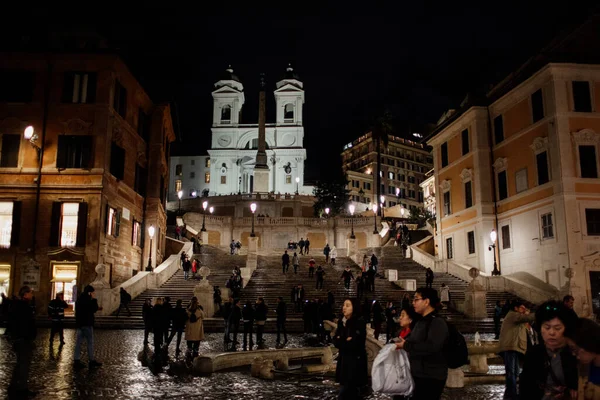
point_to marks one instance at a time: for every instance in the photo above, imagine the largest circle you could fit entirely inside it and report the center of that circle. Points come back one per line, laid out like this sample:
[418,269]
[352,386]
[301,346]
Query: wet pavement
[123,377]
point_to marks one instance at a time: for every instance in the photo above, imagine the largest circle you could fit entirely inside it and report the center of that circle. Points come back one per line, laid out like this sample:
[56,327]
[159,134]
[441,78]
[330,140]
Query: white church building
[234,145]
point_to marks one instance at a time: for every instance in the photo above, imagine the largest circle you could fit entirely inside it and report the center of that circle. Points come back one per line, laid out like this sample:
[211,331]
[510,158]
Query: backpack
[193,317]
[455,349]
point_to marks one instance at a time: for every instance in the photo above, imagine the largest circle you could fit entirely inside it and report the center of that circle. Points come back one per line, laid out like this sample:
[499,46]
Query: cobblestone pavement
[123,377]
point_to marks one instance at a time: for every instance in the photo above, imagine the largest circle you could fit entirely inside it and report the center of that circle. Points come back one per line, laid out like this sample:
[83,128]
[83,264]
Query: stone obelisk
[261,168]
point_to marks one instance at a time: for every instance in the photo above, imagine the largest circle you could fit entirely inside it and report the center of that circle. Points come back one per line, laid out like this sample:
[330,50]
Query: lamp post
[297,185]
[351,208]
[492,248]
[375,219]
[211,210]
[194,194]
[204,205]
[382,198]
[253,209]
[31,136]
[180,195]
[151,234]
[327,212]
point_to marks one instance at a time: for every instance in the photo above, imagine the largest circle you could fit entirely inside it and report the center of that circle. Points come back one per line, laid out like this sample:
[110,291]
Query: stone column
[352,247]
[204,293]
[475,297]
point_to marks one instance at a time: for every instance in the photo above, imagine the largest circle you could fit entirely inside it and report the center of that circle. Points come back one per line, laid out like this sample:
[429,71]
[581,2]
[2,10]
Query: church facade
[234,145]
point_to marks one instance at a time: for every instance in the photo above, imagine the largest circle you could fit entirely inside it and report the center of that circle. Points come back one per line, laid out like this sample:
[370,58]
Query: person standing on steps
[86,307]
[179,318]
[186,266]
[497,317]
[125,300]
[232,247]
[311,267]
[168,317]
[326,251]
[365,263]
[248,319]
[56,311]
[295,262]
[360,285]
[301,245]
[333,255]
[307,246]
[445,295]
[299,298]
[285,261]
[428,278]
[374,262]
[320,277]
[281,312]
[371,279]
[347,277]
[226,312]
[261,318]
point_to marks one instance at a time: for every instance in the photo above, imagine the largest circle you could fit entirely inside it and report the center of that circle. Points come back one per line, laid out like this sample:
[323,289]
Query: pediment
[226,89]
[288,87]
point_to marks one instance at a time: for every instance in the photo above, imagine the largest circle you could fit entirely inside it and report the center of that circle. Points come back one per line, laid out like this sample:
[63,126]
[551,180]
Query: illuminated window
[177,185]
[6,218]
[113,221]
[64,276]
[136,239]
[288,179]
[68,226]
[207,177]
[207,163]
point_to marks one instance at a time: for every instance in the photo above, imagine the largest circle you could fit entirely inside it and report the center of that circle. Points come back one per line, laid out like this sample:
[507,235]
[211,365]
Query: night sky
[415,60]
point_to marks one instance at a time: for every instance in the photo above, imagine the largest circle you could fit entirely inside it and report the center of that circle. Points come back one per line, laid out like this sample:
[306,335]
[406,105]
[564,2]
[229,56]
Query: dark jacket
[235,316]
[22,320]
[425,348]
[351,367]
[125,297]
[300,294]
[85,308]
[160,318]
[147,315]
[187,265]
[377,312]
[56,309]
[285,259]
[179,317]
[347,275]
[227,310]
[248,314]
[261,311]
[281,311]
[536,369]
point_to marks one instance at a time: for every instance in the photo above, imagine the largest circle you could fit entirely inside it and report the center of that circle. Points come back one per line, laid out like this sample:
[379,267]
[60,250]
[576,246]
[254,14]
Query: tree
[380,131]
[419,216]
[333,194]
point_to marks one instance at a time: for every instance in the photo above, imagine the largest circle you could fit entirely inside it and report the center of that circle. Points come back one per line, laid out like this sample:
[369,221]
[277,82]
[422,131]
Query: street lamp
[180,195]
[398,195]
[211,210]
[375,219]
[402,215]
[351,208]
[204,205]
[253,209]
[151,234]
[30,135]
[327,212]
[382,198]
[297,185]
[194,193]
[493,237]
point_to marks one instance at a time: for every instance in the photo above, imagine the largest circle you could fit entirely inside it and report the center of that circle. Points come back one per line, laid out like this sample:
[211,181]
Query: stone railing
[109,298]
[357,221]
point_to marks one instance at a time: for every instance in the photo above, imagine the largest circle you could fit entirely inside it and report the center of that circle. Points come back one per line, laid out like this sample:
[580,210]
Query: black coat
[248,313]
[85,308]
[179,317]
[260,313]
[536,369]
[22,320]
[147,315]
[281,311]
[351,367]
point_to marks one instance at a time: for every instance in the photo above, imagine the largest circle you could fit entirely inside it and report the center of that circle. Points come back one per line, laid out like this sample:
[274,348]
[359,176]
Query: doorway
[5,280]
[64,278]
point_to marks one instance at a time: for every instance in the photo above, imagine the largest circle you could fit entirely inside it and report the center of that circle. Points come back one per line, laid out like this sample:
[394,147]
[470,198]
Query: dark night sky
[417,60]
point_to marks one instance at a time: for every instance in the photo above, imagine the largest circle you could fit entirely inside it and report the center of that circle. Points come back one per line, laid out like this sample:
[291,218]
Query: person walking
[194,330]
[179,317]
[347,277]
[428,278]
[186,265]
[147,317]
[124,303]
[295,262]
[261,318]
[374,262]
[326,252]
[320,277]
[497,317]
[248,320]
[300,298]
[350,339]
[333,255]
[225,313]
[158,324]
[301,245]
[281,312]
[168,316]
[365,263]
[445,295]
[390,324]
[306,246]
[425,347]
[85,308]
[311,267]
[56,312]
[360,285]
[285,261]
[370,281]
[513,344]
[23,332]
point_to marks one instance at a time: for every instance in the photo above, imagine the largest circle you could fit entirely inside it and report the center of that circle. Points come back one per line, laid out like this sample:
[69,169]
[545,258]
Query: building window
[447,206]
[207,163]
[468,195]
[9,223]
[68,226]
[465,142]
[547,226]
[367,185]
[502,185]
[587,161]
[79,87]
[120,99]
[226,114]
[113,221]
[9,155]
[420,195]
[117,161]
[592,219]
[582,99]
[288,179]
[143,127]
[136,237]
[537,106]
[288,114]
[521,183]
[449,252]
[141,177]
[390,175]
[17,86]
[498,129]
[74,151]
[177,185]
[223,180]
[411,179]
[505,237]
[207,177]
[192,175]
[179,170]
[471,242]
[543,170]
[192,162]
[411,194]
[63,276]
[444,150]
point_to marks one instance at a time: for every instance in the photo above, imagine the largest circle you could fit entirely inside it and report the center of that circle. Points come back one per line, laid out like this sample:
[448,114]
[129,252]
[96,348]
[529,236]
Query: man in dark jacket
[374,262]
[260,315]
[425,347]
[320,277]
[390,324]
[22,334]
[301,245]
[370,281]
[248,319]
[85,308]
[56,312]
[360,285]
[234,321]
[186,266]
[179,318]
[306,246]
[285,261]
[428,278]
[125,300]
[347,276]
[300,298]
[281,312]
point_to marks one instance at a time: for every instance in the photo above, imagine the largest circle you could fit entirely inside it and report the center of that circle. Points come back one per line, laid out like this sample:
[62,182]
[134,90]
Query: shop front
[64,279]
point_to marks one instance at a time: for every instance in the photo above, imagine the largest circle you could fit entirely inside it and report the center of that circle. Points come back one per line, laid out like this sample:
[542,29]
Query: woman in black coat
[350,339]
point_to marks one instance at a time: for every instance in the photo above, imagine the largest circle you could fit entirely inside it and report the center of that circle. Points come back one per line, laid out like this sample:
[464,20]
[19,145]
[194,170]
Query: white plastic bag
[391,372]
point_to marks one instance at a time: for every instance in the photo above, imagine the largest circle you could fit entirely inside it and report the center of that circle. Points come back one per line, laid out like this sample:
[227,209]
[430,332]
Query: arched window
[289,112]
[226,114]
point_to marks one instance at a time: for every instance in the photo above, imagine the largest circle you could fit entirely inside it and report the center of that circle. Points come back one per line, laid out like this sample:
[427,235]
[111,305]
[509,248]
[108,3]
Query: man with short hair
[425,347]
[569,302]
[22,333]
[85,308]
[285,261]
[56,312]
[306,246]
